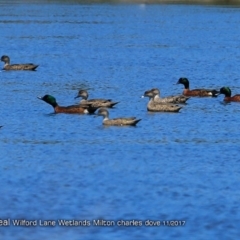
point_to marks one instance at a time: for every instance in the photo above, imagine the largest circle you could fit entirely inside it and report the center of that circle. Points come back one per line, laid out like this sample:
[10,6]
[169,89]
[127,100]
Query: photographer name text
[87,223]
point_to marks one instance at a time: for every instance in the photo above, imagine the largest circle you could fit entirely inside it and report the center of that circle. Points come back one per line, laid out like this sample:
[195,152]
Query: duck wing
[28,66]
[206,92]
[158,107]
[99,100]
[177,98]
[172,99]
[125,118]
[132,121]
[89,107]
[104,103]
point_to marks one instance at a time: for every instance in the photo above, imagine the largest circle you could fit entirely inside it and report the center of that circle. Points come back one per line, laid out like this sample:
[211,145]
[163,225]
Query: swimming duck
[131,121]
[8,66]
[196,92]
[227,92]
[169,99]
[97,102]
[69,109]
[159,107]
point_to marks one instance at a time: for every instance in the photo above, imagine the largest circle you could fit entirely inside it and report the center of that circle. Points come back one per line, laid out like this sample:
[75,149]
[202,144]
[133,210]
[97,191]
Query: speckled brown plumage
[8,66]
[170,99]
[129,121]
[100,102]
[159,107]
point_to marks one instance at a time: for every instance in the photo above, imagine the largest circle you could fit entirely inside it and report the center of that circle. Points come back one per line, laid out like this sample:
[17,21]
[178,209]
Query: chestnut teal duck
[130,121]
[81,109]
[170,99]
[227,92]
[8,66]
[97,102]
[196,92]
[159,107]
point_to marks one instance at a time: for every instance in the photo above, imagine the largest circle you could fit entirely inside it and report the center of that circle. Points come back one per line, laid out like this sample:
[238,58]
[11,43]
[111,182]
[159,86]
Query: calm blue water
[181,166]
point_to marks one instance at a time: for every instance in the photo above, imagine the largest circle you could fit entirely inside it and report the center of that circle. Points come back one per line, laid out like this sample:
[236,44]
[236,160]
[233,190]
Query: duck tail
[136,121]
[34,67]
[113,104]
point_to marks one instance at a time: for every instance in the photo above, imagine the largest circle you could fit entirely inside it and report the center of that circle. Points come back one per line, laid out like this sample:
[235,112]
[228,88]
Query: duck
[170,99]
[159,107]
[130,121]
[227,92]
[8,66]
[196,92]
[97,102]
[81,109]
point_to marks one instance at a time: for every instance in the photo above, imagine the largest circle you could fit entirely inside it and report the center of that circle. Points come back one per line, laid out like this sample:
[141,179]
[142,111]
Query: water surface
[181,166]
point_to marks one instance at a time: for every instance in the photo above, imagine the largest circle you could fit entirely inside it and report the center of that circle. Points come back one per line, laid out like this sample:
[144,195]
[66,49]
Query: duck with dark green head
[196,92]
[81,109]
[227,92]
[25,66]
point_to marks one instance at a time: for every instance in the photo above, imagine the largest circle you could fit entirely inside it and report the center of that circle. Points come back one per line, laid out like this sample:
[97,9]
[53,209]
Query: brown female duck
[131,121]
[196,92]
[8,66]
[227,92]
[159,107]
[170,99]
[97,102]
[82,109]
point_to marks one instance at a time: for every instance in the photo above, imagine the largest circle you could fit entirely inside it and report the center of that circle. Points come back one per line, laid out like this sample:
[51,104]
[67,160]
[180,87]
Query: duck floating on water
[159,107]
[196,92]
[81,109]
[130,121]
[227,92]
[8,66]
[97,102]
[170,99]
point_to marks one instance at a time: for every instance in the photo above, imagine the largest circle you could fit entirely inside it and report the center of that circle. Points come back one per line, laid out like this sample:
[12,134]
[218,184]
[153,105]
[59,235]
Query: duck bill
[77,96]
[41,98]
[147,94]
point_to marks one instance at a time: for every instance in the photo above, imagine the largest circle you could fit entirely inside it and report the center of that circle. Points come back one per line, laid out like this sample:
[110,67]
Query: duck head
[103,112]
[226,91]
[49,99]
[155,91]
[183,81]
[148,93]
[83,94]
[5,59]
